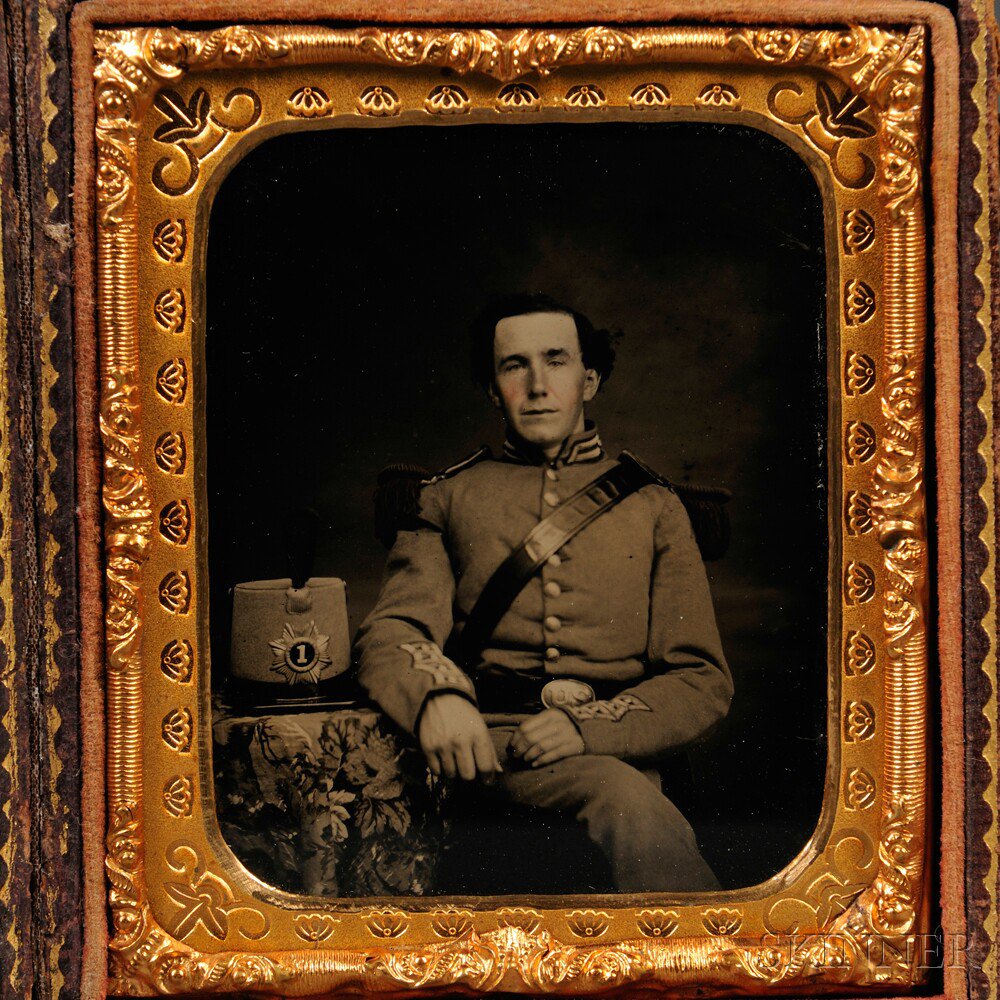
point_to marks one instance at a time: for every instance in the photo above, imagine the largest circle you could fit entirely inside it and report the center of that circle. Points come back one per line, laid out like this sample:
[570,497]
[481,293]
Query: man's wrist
[435,693]
[569,715]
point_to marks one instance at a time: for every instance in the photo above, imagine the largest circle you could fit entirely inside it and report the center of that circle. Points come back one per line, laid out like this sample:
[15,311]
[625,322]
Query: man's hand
[546,738]
[455,740]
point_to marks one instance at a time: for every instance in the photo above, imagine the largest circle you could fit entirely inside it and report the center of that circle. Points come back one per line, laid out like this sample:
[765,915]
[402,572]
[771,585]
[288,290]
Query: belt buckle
[567,693]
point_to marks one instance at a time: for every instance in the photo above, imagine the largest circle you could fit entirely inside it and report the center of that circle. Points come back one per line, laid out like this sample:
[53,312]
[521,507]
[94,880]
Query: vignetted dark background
[343,269]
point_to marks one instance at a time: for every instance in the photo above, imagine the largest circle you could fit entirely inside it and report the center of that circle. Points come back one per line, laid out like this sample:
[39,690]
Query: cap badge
[300,657]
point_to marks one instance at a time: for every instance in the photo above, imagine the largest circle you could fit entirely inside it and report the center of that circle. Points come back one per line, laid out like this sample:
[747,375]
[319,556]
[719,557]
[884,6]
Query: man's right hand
[455,740]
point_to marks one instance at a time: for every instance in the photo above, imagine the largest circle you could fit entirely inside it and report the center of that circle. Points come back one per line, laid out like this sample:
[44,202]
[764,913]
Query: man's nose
[537,383]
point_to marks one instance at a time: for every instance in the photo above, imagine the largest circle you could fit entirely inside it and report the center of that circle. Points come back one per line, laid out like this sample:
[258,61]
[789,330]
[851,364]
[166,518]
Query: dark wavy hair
[596,345]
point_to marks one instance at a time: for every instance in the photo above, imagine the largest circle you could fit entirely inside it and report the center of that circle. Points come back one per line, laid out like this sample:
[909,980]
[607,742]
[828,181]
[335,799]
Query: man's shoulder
[689,507]
[463,465]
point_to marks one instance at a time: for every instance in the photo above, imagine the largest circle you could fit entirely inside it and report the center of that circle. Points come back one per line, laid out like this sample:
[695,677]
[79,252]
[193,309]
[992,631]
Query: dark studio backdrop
[343,270]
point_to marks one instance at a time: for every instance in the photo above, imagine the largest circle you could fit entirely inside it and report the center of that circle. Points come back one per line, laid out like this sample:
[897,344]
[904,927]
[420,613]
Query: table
[327,802]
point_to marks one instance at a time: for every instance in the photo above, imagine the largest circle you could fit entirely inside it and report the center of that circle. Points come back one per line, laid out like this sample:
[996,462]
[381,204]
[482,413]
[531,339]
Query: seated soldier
[560,595]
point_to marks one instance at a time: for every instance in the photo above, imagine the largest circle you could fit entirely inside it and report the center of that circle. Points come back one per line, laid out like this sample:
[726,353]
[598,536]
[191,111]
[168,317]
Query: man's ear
[591,383]
[491,391]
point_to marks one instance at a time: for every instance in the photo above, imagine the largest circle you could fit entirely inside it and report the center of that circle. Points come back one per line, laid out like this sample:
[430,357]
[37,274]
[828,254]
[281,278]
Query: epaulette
[706,508]
[481,454]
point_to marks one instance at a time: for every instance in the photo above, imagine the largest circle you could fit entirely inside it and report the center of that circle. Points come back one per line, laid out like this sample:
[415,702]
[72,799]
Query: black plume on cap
[299,534]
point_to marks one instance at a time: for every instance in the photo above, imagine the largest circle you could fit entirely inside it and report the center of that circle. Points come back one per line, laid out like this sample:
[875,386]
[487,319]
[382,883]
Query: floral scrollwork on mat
[170,240]
[196,131]
[518,97]
[309,102]
[203,897]
[378,101]
[451,922]
[315,927]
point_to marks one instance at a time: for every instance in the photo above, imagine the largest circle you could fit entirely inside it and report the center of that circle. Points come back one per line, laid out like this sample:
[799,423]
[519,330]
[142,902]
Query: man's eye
[555,362]
[511,366]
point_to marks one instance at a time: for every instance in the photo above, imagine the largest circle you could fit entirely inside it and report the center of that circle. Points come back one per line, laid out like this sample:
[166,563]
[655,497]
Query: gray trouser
[649,845]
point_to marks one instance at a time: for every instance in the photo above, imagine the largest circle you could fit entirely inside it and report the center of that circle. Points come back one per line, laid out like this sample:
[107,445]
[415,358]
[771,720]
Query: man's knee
[619,797]
[590,780]
[610,781]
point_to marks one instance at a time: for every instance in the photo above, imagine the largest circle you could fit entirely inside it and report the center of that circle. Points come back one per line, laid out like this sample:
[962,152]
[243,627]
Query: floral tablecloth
[327,803]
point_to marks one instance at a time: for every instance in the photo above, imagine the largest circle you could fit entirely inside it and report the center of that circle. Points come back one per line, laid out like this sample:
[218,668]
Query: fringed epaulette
[397,493]
[706,509]
[397,499]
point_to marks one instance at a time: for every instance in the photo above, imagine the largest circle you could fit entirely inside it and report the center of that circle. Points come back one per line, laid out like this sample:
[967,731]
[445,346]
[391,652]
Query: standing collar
[583,447]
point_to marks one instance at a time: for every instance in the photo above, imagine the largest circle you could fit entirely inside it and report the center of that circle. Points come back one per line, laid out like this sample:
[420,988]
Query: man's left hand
[546,738]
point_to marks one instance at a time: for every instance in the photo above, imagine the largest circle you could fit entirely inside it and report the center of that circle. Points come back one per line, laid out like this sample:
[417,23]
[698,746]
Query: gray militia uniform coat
[624,607]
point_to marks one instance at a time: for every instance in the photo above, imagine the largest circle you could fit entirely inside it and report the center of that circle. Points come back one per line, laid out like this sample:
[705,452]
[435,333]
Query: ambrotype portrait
[515,461]
[517,475]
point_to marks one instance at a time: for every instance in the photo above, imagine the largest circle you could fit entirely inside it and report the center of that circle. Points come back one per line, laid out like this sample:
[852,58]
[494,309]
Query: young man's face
[540,382]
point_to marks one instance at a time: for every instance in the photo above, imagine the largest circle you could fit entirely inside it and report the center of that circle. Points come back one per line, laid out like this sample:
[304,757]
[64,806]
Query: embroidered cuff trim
[613,710]
[427,656]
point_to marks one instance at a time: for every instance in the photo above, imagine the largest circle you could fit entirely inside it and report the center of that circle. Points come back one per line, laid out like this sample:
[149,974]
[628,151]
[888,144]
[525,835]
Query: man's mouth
[536,413]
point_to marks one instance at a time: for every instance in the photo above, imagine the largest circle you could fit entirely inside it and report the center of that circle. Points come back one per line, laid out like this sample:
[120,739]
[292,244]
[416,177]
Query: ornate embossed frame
[173,109]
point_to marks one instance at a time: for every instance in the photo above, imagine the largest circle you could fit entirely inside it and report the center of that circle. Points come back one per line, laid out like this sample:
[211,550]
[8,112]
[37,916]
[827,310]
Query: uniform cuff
[602,736]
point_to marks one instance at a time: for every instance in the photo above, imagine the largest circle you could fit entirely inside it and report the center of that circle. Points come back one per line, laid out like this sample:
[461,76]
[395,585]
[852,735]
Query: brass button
[552,588]
[552,654]
[551,474]
[550,498]
[554,559]
[553,624]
